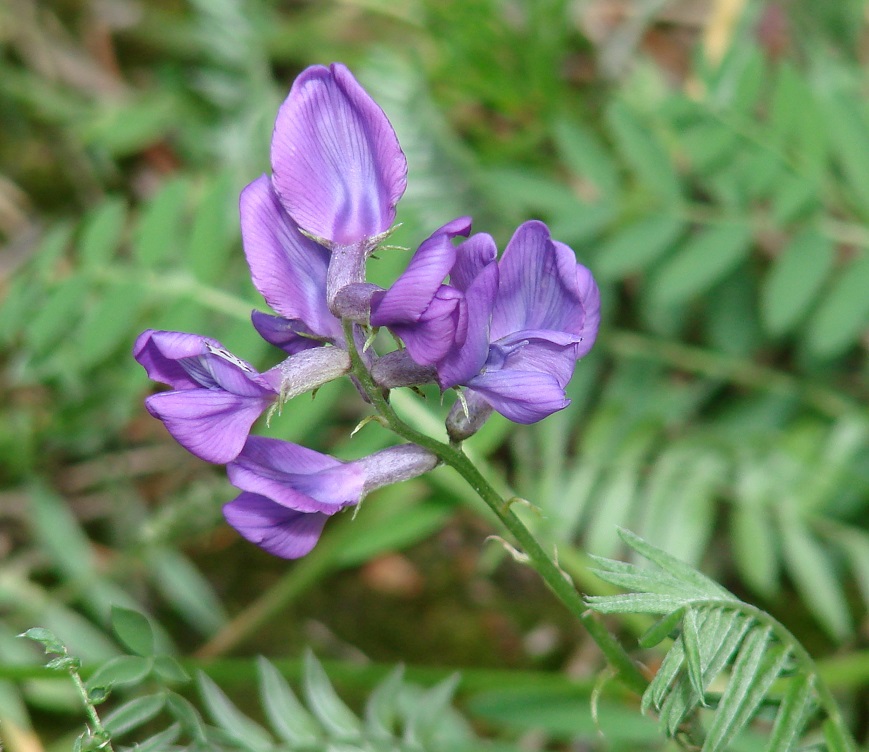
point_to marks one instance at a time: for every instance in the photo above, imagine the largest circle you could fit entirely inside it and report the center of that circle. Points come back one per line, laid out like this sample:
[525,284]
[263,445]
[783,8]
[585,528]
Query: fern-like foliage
[398,716]
[726,655]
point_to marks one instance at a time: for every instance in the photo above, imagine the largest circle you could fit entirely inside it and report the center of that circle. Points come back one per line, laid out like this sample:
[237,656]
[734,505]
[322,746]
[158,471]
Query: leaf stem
[540,560]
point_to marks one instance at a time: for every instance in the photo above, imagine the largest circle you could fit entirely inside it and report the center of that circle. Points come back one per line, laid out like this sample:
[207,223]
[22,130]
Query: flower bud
[397,369]
[310,369]
[467,417]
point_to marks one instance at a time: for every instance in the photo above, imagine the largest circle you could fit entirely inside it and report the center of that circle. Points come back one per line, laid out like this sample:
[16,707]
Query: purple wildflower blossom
[518,325]
[215,397]
[289,270]
[544,317]
[289,491]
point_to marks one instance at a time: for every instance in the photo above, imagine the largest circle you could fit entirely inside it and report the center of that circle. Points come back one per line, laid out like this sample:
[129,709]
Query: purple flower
[510,331]
[290,491]
[289,270]
[338,168]
[545,314]
[215,397]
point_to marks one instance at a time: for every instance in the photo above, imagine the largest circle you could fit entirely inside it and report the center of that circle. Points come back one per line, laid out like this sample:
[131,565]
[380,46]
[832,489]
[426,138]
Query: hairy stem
[538,558]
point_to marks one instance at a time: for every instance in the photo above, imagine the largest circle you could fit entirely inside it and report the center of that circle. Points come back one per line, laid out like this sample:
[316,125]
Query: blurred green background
[707,159]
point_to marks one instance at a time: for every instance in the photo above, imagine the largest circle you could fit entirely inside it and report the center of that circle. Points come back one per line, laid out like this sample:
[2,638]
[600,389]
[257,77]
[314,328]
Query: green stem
[542,562]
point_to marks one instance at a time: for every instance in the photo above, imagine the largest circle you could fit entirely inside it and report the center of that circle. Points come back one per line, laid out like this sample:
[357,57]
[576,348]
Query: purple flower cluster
[505,331]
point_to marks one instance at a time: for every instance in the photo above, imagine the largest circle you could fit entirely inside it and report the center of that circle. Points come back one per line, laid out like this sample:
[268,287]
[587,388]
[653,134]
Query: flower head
[290,491]
[510,331]
[545,316]
[215,397]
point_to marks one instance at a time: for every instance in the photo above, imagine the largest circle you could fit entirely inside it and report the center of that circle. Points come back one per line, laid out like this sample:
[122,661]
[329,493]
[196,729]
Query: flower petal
[337,164]
[472,256]
[296,477]
[406,300]
[469,356]
[539,285]
[288,269]
[159,352]
[280,531]
[210,423]
[520,396]
[284,333]
[552,353]
[431,337]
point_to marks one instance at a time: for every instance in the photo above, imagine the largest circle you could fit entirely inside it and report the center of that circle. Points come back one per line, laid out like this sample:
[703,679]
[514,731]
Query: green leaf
[108,325]
[849,139]
[290,721]
[122,669]
[52,248]
[160,229]
[663,680]
[215,230]
[635,603]
[643,152]
[792,714]
[794,280]
[836,740]
[134,713]
[794,198]
[679,503]
[133,630]
[60,534]
[814,577]
[661,629]
[125,127]
[185,588]
[702,261]
[183,710]
[691,645]
[679,569]
[160,742]
[722,633]
[381,708]
[430,710]
[843,314]
[101,233]
[755,669]
[46,638]
[332,713]
[754,540]
[169,670]
[228,717]
[633,248]
[50,323]
[586,157]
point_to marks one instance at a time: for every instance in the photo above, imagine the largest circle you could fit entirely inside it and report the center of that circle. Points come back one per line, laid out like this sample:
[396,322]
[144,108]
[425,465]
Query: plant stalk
[538,558]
